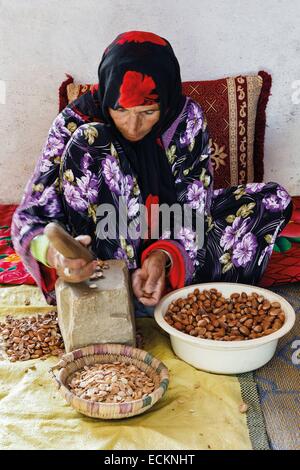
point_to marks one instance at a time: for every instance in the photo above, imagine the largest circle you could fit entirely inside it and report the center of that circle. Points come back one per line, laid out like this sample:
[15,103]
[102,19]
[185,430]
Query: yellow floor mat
[199,410]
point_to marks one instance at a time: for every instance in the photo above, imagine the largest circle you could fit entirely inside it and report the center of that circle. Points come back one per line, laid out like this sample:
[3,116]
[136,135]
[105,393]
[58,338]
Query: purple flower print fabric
[83,168]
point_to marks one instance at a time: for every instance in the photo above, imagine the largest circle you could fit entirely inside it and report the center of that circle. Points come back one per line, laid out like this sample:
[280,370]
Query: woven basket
[106,353]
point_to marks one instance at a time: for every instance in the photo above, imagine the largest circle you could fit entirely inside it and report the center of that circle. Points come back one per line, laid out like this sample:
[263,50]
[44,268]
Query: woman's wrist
[165,256]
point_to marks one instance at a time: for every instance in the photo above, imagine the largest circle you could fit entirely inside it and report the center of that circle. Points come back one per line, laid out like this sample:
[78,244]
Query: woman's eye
[149,112]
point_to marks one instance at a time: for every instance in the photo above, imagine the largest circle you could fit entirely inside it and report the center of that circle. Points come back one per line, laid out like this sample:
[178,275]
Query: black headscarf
[140,68]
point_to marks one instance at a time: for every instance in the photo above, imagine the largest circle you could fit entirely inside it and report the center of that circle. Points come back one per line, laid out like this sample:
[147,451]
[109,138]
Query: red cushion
[235,111]
[284,267]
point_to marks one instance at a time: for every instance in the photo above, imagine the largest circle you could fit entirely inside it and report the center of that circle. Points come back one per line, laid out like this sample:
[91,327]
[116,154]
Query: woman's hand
[71,270]
[148,282]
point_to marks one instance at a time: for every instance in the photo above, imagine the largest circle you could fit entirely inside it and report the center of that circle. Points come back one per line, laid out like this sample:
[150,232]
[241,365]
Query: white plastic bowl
[224,357]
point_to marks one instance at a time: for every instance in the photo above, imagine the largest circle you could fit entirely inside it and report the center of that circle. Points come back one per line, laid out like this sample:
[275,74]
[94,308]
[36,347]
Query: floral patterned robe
[82,167]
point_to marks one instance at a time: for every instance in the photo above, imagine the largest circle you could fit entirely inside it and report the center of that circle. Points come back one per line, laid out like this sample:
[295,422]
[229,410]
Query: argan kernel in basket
[111,383]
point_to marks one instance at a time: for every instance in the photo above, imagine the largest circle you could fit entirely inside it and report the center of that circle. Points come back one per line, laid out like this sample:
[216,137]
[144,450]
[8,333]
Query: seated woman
[135,138]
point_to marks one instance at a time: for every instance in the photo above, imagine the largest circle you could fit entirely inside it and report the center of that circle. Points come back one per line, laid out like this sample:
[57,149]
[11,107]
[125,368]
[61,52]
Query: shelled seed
[111,383]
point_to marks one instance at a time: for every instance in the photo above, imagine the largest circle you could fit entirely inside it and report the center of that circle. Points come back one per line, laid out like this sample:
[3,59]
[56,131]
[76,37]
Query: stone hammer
[94,311]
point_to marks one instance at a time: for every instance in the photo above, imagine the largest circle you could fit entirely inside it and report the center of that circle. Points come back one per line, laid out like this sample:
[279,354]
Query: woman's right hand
[71,270]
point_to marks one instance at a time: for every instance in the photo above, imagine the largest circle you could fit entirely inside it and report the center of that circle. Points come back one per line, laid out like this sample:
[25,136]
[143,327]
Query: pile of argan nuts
[114,382]
[32,337]
[209,315]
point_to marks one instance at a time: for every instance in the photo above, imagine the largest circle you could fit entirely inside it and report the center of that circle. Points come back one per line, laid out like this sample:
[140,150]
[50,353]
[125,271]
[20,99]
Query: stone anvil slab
[104,314]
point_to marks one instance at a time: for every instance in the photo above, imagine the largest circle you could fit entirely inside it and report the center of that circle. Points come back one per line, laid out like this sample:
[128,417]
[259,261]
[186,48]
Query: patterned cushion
[235,111]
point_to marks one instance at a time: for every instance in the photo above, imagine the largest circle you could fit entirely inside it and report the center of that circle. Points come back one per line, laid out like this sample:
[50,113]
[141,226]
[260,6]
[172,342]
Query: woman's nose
[133,124]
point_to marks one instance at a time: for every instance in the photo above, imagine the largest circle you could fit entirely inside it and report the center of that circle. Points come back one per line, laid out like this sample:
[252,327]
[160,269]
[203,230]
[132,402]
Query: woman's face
[136,122]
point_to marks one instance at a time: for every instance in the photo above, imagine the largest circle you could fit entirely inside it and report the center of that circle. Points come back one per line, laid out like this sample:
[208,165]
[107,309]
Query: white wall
[40,40]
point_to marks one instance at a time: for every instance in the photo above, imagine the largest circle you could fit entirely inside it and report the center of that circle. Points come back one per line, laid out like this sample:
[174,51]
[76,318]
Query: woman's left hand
[148,282]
